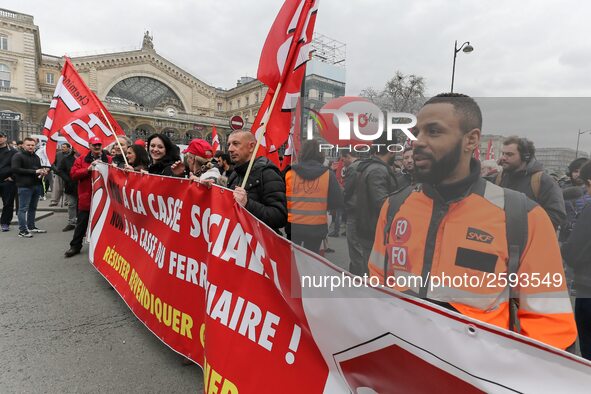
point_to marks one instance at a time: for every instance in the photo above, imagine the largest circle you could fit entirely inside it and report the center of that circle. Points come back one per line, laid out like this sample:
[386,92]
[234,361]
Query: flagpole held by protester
[116,139]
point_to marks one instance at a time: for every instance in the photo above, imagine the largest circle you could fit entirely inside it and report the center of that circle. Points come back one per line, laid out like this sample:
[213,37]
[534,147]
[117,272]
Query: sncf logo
[478,235]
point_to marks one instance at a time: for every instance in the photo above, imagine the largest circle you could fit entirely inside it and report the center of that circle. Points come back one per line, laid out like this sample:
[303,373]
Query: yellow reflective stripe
[483,301]
[306,213]
[555,302]
[376,258]
[306,199]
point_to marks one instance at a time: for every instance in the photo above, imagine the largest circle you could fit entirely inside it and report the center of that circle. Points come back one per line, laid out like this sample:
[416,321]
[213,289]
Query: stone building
[145,92]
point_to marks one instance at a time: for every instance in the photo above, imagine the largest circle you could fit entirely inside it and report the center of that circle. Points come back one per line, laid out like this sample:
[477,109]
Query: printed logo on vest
[477,235]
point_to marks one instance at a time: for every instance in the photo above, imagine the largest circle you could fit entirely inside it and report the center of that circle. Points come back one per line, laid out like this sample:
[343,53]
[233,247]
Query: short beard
[440,169]
[510,169]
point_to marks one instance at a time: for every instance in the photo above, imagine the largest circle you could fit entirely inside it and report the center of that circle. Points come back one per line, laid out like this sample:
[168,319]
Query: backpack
[535,182]
[572,214]
[516,230]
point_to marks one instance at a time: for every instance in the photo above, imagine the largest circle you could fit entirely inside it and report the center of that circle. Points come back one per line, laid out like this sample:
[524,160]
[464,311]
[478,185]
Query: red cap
[94,141]
[140,142]
[199,147]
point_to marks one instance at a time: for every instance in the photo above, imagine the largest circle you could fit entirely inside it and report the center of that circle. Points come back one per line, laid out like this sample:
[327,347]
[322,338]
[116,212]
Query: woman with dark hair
[138,158]
[165,156]
[576,252]
[311,191]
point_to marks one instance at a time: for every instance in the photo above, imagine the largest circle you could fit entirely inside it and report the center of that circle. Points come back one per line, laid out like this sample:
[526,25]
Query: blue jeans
[28,197]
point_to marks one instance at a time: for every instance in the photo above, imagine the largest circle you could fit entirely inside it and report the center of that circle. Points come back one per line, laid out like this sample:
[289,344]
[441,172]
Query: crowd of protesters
[301,200]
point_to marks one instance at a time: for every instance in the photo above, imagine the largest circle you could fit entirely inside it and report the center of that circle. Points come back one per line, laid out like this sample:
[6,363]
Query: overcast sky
[531,48]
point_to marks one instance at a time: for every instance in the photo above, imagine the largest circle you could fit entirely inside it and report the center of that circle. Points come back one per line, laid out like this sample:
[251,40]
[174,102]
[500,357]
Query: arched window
[4,76]
[145,93]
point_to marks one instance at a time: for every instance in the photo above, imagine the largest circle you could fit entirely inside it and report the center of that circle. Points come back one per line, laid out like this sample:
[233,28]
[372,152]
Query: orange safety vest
[307,199]
[467,239]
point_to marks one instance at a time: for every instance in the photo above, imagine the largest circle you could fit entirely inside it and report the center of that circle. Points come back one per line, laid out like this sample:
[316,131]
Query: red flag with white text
[76,113]
[283,61]
[215,140]
[490,152]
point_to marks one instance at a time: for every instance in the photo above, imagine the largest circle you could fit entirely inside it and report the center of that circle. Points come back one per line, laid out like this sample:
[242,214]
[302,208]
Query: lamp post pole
[580,133]
[467,48]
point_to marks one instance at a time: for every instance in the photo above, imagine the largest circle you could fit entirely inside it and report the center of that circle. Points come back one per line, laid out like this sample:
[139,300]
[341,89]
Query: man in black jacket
[374,182]
[576,252]
[264,194]
[26,166]
[7,185]
[519,169]
[70,188]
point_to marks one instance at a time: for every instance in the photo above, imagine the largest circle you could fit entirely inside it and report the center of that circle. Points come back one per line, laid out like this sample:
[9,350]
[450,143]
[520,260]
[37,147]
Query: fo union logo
[355,123]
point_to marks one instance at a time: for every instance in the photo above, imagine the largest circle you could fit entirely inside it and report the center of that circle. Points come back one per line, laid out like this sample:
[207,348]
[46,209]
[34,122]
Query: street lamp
[578,138]
[467,48]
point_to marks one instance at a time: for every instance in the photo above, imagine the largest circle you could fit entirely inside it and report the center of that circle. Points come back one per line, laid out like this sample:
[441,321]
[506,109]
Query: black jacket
[550,197]
[375,181]
[163,167]
[24,167]
[312,170]
[6,154]
[63,171]
[119,161]
[576,252]
[404,179]
[266,191]
[349,194]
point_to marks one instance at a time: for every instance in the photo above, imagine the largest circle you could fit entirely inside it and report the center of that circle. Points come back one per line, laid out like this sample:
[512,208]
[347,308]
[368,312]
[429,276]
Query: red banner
[206,279]
[261,315]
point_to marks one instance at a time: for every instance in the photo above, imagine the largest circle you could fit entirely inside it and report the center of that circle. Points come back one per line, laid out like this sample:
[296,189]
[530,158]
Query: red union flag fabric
[283,60]
[490,152]
[215,140]
[75,112]
[261,315]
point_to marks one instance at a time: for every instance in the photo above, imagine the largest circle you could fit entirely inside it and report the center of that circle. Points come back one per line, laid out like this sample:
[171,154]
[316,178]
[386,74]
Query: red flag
[215,140]
[77,114]
[283,60]
[490,153]
[293,141]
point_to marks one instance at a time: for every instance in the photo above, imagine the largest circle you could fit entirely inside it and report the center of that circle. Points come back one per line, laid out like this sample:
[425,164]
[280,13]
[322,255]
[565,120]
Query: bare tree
[402,93]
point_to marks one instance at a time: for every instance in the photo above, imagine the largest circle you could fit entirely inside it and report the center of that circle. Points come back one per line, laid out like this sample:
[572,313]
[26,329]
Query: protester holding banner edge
[264,192]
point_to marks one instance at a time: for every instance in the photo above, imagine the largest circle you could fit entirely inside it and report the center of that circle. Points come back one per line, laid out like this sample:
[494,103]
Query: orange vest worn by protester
[460,250]
[307,199]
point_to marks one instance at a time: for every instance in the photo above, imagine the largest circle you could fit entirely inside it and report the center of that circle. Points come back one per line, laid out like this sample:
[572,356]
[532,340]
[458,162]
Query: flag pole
[116,139]
[261,135]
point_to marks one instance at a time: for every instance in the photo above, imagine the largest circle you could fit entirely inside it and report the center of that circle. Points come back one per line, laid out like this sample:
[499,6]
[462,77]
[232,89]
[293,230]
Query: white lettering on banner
[255,324]
[168,212]
[237,248]
[148,242]
[135,198]
[187,269]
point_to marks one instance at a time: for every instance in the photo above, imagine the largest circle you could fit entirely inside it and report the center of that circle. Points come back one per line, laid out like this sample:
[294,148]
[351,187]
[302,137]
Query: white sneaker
[37,230]
[25,234]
